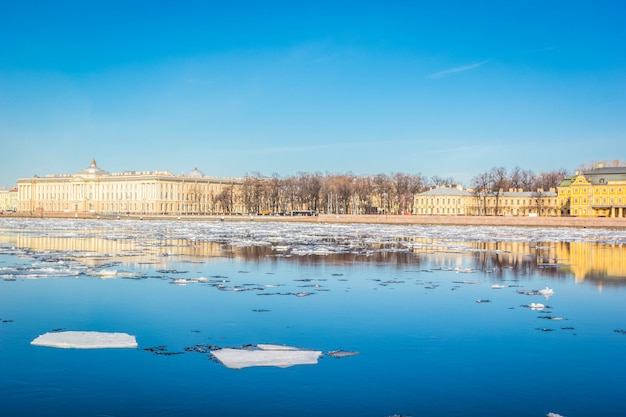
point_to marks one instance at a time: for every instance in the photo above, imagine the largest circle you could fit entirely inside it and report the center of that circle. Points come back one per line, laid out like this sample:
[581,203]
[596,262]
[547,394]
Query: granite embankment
[481,220]
[616,223]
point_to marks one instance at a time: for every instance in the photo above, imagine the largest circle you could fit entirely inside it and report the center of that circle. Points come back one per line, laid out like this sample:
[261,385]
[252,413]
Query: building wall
[8,199]
[584,199]
[129,193]
[4,200]
[458,202]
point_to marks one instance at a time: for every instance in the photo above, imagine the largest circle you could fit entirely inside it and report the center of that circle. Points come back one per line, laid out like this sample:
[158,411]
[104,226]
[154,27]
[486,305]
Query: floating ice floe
[341,353]
[266,355]
[546,292]
[554,415]
[498,286]
[106,273]
[85,340]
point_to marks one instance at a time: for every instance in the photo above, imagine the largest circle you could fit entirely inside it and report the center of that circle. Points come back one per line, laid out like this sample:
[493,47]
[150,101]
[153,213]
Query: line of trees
[377,194]
[334,193]
[498,180]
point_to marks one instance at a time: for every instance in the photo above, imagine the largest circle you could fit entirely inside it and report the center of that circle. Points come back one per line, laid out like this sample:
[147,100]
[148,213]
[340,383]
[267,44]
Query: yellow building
[135,192]
[456,201]
[600,192]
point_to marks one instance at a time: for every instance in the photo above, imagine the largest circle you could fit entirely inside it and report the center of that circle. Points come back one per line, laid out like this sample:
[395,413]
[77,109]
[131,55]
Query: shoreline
[576,222]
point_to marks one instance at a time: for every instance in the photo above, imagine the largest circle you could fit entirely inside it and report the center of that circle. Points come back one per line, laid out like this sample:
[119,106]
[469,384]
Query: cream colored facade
[600,192]
[456,201]
[8,199]
[138,192]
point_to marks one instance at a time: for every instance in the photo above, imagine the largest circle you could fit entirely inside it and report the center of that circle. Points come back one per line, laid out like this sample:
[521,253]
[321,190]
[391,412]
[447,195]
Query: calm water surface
[406,298]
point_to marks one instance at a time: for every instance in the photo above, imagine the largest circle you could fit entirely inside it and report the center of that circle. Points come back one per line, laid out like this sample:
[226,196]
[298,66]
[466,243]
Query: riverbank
[582,222]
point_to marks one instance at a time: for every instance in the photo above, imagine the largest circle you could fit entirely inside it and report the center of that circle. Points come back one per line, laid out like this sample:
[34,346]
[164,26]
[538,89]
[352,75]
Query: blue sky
[446,88]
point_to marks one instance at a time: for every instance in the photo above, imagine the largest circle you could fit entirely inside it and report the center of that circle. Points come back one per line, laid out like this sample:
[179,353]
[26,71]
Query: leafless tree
[363,190]
[383,190]
[225,200]
[440,181]
[252,192]
[310,186]
[500,182]
[274,191]
[481,184]
[550,179]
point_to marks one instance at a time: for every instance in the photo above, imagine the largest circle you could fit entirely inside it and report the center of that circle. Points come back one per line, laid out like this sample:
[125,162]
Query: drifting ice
[85,340]
[266,355]
[546,291]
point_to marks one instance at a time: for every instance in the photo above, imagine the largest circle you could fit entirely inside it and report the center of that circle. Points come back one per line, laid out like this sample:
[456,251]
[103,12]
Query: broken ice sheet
[266,355]
[85,340]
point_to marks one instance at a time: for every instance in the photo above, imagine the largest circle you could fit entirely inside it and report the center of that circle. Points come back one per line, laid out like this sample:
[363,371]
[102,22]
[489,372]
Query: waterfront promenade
[583,222]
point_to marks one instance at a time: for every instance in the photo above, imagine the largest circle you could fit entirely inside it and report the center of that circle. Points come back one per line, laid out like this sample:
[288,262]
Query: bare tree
[344,187]
[499,183]
[481,184]
[550,179]
[274,191]
[440,181]
[225,200]
[596,164]
[310,186]
[383,190]
[252,192]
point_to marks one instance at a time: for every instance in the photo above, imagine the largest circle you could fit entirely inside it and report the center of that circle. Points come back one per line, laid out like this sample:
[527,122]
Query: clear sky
[447,88]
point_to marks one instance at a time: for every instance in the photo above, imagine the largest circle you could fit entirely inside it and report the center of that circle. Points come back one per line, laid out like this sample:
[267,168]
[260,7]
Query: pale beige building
[133,192]
[8,198]
[457,201]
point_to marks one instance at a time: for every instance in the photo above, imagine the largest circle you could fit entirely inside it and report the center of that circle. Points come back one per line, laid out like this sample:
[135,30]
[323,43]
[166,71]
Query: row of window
[599,190]
[597,200]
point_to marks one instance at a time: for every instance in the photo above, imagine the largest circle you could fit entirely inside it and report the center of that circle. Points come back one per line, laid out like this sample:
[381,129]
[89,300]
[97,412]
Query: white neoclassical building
[132,192]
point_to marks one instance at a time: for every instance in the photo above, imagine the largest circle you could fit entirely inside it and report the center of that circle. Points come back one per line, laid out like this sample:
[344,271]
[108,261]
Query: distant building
[8,198]
[600,192]
[456,201]
[445,201]
[135,192]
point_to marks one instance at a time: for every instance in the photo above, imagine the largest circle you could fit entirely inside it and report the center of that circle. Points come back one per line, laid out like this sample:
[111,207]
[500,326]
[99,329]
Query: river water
[437,320]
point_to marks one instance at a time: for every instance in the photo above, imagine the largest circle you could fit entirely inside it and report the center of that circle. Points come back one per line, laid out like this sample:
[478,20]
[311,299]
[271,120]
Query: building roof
[196,173]
[526,194]
[567,181]
[602,175]
[446,191]
[457,192]
[92,169]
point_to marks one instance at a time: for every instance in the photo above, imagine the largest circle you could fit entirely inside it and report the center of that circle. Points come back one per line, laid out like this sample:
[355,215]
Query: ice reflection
[59,248]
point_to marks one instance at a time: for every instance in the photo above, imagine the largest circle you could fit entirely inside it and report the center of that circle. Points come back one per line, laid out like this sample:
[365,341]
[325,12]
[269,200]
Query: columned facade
[136,192]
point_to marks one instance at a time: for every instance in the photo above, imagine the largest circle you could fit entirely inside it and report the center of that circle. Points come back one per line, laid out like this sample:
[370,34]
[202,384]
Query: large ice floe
[266,355]
[85,340]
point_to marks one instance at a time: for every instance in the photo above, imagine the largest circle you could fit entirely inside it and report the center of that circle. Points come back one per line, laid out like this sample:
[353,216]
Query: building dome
[92,169]
[196,173]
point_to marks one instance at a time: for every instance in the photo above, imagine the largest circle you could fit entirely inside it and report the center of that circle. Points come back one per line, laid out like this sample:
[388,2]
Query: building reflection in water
[598,263]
